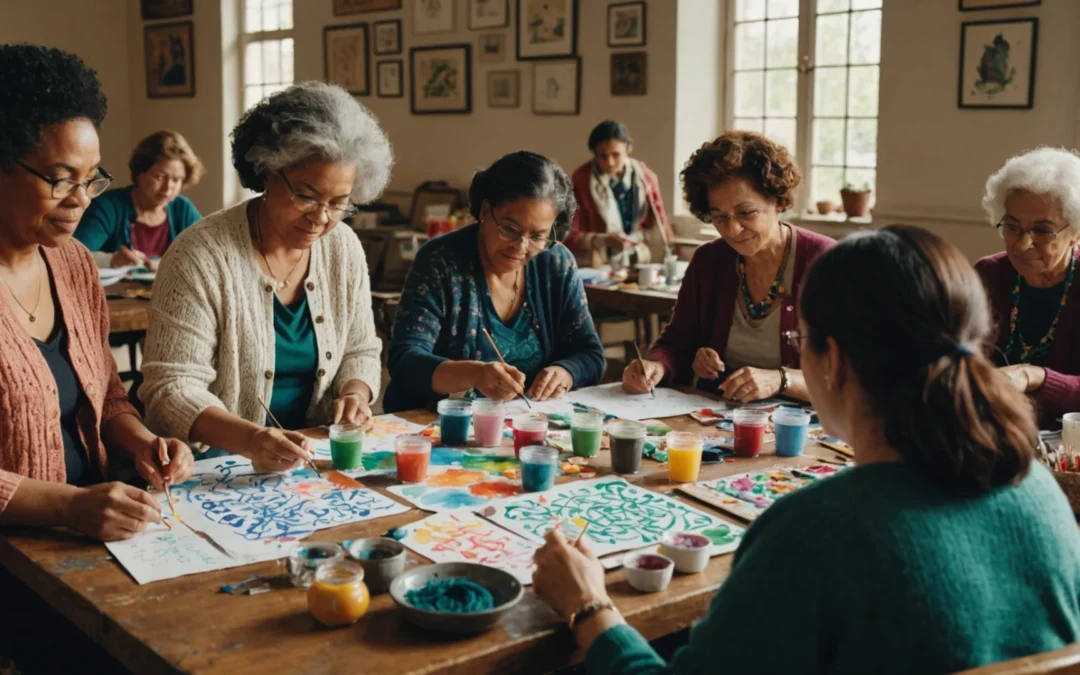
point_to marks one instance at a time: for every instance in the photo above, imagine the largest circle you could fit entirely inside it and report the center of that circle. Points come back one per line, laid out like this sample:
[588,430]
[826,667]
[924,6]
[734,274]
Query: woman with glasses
[1034,203]
[739,295]
[134,225]
[504,276]
[269,301]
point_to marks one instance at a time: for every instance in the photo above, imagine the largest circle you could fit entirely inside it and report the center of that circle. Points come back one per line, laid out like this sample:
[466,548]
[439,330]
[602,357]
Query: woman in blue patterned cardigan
[507,274]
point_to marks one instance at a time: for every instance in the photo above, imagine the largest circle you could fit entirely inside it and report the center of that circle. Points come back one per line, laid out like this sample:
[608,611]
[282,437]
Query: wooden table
[185,625]
[128,314]
[637,303]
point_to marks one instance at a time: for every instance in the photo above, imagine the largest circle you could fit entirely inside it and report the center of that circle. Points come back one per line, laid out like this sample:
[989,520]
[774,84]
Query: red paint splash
[341,480]
[492,490]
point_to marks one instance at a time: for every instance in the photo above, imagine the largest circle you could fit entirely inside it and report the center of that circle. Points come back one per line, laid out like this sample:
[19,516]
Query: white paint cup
[1070,433]
[648,274]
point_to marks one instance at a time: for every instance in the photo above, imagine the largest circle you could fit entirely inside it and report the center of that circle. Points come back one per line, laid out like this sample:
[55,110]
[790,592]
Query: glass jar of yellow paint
[684,456]
[339,596]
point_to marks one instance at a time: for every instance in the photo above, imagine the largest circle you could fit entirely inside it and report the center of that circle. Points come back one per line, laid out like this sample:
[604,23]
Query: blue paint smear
[452,499]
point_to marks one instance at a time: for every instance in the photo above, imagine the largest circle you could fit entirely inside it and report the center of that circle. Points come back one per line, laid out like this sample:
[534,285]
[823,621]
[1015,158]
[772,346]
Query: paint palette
[747,495]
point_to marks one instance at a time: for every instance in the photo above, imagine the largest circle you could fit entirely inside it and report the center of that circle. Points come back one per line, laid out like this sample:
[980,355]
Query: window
[805,73]
[268,48]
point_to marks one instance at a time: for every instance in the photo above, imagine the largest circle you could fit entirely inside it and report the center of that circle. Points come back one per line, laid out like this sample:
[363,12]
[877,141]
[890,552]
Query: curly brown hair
[165,145]
[768,167]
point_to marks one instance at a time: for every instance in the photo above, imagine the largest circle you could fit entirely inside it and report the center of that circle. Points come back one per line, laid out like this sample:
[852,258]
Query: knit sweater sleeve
[419,321]
[360,359]
[98,227]
[1059,391]
[116,398]
[578,349]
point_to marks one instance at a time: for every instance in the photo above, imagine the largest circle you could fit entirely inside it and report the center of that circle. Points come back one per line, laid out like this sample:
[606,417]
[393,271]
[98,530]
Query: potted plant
[856,200]
[825,207]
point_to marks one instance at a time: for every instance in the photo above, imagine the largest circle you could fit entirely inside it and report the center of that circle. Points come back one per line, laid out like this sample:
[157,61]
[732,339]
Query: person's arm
[97,229]
[677,345]
[578,348]
[1057,391]
[360,359]
[190,216]
[412,361]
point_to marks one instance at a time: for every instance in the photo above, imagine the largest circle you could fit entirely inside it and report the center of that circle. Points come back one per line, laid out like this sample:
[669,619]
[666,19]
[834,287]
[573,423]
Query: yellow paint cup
[684,456]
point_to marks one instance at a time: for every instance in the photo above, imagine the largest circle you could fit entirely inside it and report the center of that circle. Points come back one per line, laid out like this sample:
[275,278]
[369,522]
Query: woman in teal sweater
[947,547]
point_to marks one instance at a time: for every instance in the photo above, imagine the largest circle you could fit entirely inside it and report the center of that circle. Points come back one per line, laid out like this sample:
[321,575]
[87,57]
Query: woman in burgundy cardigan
[1034,203]
[739,297]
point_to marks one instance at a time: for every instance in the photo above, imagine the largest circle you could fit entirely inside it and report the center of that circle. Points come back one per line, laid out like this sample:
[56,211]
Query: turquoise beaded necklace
[758,310]
[1029,353]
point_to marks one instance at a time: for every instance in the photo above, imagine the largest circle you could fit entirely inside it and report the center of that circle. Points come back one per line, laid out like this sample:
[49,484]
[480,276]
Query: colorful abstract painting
[747,495]
[620,516]
[448,458]
[461,536]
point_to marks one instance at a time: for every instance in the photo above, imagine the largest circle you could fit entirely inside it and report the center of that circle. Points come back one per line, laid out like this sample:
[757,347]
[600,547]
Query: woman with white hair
[269,300]
[1034,200]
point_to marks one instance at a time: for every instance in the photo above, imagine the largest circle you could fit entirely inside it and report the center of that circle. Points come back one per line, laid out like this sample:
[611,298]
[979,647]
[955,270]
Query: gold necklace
[258,232]
[32,315]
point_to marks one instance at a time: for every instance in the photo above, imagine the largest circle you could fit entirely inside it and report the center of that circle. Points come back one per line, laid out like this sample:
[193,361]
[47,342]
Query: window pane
[824,6]
[830,91]
[781,9]
[749,94]
[749,10]
[825,183]
[865,4]
[781,93]
[861,178]
[866,37]
[832,40]
[750,45]
[253,20]
[253,63]
[783,43]
[829,142]
[270,16]
[863,101]
[781,131]
[862,143]
[252,95]
[287,61]
[285,15]
[749,124]
[271,61]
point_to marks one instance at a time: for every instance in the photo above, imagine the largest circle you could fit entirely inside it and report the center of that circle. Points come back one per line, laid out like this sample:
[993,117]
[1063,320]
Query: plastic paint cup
[529,429]
[791,425]
[586,433]
[454,418]
[684,456]
[538,464]
[488,418]
[307,557]
[412,454]
[627,446]
[749,431]
[346,446]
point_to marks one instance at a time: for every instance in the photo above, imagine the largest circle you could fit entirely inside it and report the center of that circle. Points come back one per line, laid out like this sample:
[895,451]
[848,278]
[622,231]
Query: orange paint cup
[339,596]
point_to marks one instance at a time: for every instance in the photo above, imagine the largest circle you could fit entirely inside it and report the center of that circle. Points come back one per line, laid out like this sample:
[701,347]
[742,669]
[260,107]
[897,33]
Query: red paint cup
[529,429]
[413,455]
[749,431]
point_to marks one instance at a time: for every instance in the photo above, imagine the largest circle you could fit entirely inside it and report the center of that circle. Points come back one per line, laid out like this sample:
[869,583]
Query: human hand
[642,376]
[498,381]
[618,240]
[111,511]
[153,264]
[275,450]
[352,408]
[707,364]
[1025,377]
[550,383]
[751,384]
[164,460]
[567,576]
[126,257]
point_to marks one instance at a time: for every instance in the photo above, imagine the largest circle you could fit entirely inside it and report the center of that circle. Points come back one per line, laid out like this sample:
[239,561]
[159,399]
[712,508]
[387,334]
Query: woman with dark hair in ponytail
[506,274]
[947,547]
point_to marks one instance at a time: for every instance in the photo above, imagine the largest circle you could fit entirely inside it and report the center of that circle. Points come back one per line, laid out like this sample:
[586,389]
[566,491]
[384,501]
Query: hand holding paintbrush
[637,350]
[517,388]
[307,458]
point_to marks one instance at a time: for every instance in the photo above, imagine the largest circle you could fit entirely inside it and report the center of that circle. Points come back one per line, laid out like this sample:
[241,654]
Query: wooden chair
[1061,662]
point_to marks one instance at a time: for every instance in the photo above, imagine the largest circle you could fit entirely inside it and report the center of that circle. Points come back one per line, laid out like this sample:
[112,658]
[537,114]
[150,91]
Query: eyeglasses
[795,338]
[746,216]
[512,236]
[1041,235]
[305,204]
[62,188]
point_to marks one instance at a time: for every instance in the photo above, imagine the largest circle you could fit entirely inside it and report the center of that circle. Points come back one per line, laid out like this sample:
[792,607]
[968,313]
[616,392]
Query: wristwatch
[588,609]
[783,380]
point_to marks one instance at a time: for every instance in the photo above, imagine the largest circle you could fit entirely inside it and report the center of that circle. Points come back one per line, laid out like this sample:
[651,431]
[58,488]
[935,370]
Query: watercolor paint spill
[456,489]
[460,536]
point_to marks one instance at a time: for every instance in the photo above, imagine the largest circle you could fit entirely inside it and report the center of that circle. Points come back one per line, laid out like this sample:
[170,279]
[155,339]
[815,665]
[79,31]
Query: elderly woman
[619,203]
[134,225]
[961,551]
[65,411]
[1034,203]
[740,291]
[505,274]
[269,301]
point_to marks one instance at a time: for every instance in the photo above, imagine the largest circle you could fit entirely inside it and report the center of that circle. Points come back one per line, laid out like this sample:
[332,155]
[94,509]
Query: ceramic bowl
[648,572]
[382,559]
[689,551]
[506,589]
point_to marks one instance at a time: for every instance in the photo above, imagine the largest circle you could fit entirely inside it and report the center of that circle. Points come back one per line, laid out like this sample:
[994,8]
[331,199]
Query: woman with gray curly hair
[1034,201]
[269,301]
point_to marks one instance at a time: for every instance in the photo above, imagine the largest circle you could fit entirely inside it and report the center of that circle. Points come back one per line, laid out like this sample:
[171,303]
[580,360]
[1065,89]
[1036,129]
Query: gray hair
[312,120]
[1053,172]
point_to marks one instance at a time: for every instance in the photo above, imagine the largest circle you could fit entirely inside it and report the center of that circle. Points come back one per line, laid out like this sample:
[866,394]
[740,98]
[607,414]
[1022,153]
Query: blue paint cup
[455,416]
[790,425]
[538,464]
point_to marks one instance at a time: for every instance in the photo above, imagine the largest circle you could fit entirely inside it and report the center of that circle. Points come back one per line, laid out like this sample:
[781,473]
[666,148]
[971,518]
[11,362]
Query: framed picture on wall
[440,79]
[504,89]
[975,5]
[492,48]
[626,24]
[165,9]
[488,14]
[345,57]
[433,16]
[347,7]
[997,63]
[629,72]
[387,37]
[557,87]
[388,79]
[546,29]
[170,62]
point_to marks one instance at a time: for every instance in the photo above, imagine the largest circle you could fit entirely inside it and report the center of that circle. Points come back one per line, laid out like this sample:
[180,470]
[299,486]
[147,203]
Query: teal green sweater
[106,224]
[877,571]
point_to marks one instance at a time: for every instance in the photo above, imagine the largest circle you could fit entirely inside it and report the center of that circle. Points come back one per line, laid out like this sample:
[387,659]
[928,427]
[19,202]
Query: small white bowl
[654,576]
[689,551]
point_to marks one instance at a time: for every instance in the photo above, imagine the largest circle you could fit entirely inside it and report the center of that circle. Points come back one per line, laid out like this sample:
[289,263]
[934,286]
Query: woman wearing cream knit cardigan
[270,299]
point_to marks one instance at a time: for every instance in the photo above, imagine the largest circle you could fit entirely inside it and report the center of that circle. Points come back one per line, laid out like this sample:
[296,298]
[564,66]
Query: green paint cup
[346,446]
[586,433]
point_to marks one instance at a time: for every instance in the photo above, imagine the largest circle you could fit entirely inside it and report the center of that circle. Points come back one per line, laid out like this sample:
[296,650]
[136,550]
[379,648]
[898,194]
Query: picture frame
[997,64]
[491,48]
[388,78]
[980,5]
[440,79]
[345,58]
[504,89]
[629,74]
[626,24]
[433,16]
[169,51]
[350,7]
[165,9]
[546,29]
[557,87]
[386,37]
[485,14]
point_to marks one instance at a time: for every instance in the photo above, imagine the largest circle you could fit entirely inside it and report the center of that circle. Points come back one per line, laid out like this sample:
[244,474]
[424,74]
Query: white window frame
[260,36]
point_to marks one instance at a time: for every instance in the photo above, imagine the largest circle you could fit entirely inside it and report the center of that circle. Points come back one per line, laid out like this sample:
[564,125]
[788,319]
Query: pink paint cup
[489,417]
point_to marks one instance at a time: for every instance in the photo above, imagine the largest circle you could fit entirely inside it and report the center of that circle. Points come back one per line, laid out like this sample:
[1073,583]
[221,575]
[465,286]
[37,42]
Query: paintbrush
[637,350]
[503,361]
[311,462]
[581,534]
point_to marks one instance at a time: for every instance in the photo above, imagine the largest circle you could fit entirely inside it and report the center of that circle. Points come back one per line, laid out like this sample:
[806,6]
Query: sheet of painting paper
[460,478]
[488,460]
[620,516]
[759,488]
[611,399]
[461,536]
[381,437]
